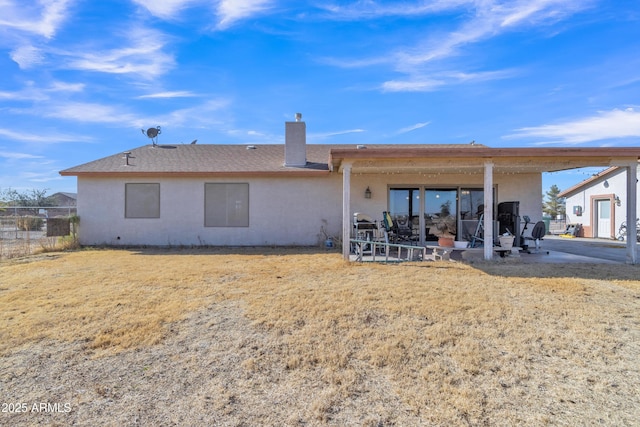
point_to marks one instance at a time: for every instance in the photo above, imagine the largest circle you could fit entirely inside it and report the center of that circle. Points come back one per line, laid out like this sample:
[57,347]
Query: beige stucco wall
[525,188]
[283,211]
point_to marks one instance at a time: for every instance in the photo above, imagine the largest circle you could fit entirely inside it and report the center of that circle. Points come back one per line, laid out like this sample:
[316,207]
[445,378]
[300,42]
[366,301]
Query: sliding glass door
[404,207]
[423,209]
[440,212]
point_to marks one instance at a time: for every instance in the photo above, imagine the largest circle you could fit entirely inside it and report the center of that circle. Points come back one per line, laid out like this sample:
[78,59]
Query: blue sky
[81,78]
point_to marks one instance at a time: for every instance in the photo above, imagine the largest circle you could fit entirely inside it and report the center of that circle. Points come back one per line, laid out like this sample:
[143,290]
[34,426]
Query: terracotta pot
[446,242]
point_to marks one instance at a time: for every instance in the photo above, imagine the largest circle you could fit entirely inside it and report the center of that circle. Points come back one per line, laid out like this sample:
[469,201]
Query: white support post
[488,210]
[346,212]
[632,212]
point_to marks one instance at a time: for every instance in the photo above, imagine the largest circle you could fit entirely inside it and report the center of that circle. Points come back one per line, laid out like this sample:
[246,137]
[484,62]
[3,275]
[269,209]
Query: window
[142,201]
[226,205]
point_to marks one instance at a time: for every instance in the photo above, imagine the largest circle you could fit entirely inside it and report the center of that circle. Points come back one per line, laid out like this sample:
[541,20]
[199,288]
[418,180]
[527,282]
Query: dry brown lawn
[301,338]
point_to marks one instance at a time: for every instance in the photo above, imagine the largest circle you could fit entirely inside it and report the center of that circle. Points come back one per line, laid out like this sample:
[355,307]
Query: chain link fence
[25,230]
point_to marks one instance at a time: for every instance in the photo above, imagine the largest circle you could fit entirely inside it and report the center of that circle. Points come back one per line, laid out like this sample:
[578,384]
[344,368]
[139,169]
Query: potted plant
[445,230]
[445,226]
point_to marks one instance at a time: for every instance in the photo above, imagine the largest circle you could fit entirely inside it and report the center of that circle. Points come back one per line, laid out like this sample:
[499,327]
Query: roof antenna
[152,134]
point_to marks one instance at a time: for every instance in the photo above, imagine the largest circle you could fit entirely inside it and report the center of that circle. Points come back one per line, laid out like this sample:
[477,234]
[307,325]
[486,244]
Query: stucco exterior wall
[281,212]
[525,188]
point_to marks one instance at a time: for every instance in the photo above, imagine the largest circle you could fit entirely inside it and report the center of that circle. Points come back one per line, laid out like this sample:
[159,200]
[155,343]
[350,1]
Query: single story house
[599,204]
[293,194]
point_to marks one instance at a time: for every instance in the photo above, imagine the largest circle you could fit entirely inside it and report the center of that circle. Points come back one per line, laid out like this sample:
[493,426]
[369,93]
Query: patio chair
[399,230]
[537,235]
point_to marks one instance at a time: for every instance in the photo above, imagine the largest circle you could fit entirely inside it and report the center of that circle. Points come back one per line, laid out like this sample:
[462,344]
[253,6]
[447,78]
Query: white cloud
[413,127]
[43,17]
[33,93]
[606,125]
[230,11]
[92,113]
[412,85]
[27,56]
[368,9]
[335,133]
[17,156]
[437,80]
[198,115]
[490,19]
[480,21]
[165,9]
[173,94]
[144,56]
[65,87]
[47,138]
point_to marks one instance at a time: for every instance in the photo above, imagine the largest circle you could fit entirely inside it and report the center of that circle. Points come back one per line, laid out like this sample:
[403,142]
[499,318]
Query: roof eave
[132,174]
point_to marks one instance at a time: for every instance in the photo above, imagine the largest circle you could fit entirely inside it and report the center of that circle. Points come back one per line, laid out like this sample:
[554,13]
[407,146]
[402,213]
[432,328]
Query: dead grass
[309,339]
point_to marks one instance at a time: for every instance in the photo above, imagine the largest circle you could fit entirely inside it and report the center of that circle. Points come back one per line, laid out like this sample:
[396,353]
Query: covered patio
[502,174]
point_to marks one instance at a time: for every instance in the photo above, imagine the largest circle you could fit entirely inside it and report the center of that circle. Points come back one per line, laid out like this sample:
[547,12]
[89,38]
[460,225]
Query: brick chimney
[295,142]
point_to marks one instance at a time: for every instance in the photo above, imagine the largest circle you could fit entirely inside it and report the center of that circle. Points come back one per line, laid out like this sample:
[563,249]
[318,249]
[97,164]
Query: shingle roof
[200,158]
[212,159]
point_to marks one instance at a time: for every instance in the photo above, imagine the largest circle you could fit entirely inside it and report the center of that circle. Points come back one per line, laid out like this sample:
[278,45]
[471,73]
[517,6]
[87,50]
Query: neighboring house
[599,204]
[64,199]
[291,194]
[64,204]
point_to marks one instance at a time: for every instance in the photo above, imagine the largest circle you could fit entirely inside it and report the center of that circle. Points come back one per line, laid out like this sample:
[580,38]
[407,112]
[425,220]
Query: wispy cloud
[166,9]
[58,86]
[171,94]
[144,56]
[27,56]
[33,93]
[335,133]
[438,80]
[208,113]
[480,21]
[369,9]
[16,155]
[606,125]
[231,11]
[489,19]
[47,137]
[92,113]
[412,128]
[42,18]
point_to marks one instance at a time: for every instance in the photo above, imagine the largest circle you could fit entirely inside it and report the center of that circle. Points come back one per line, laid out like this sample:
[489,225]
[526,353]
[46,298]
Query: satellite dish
[194,141]
[152,134]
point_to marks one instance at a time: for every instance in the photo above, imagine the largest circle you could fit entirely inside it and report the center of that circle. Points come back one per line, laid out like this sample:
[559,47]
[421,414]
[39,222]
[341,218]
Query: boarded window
[226,205]
[142,201]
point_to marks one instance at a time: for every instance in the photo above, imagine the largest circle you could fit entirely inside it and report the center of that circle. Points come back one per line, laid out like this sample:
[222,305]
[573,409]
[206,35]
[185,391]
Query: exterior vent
[251,147]
[361,146]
